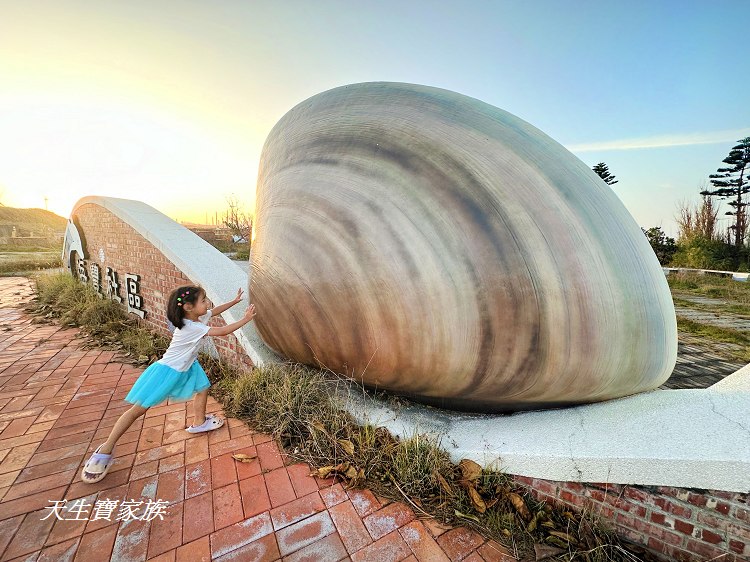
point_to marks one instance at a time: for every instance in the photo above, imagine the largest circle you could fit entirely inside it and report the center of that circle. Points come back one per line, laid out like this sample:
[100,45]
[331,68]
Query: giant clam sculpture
[430,244]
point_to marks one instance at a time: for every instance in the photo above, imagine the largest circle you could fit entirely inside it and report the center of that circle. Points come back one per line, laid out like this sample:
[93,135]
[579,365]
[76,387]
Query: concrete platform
[682,438]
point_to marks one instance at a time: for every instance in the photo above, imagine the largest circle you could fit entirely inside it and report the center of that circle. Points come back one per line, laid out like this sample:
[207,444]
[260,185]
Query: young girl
[177,375]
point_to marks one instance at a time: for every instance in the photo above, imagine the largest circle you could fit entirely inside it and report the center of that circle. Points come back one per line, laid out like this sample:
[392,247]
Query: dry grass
[710,286]
[74,304]
[19,260]
[719,335]
[27,266]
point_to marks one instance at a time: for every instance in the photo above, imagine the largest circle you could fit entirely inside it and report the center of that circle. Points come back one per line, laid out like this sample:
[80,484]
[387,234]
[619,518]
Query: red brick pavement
[58,401]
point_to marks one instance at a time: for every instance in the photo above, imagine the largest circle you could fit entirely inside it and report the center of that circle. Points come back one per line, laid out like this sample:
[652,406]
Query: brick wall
[674,523]
[126,251]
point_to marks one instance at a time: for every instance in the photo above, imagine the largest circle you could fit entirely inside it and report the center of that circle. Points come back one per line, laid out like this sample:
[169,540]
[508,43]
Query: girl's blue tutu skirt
[160,382]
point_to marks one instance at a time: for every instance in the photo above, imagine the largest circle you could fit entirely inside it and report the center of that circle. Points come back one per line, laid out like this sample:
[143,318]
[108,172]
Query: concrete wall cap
[196,258]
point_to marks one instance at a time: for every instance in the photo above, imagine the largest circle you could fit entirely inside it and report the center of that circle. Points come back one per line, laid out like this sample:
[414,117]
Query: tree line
[701,243]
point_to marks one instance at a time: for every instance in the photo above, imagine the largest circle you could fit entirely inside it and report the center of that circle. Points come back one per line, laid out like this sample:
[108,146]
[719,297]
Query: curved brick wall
[127,252]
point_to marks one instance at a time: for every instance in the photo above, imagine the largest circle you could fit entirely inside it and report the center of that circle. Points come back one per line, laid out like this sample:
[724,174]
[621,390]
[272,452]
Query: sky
[169,102]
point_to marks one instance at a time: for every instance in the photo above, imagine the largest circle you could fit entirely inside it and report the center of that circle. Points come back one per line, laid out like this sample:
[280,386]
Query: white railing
[736,275]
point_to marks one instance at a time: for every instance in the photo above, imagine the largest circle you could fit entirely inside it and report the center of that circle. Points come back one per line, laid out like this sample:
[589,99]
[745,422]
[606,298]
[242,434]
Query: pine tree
[603,172]
[664,247]
[732,182]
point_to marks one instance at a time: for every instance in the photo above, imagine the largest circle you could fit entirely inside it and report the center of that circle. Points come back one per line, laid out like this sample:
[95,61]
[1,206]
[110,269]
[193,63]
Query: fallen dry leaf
[556,541]
[542,551]
[243,457]
[322,472]
[359,477]
[347,445]
[519,506]
[564,536]
[444,484]
[537,516]
[342,468]
[477,500]
[470,471]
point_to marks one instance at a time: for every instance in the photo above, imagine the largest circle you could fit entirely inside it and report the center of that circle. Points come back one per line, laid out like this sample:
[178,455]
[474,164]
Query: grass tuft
[716,333]
[417,462]
[61,296]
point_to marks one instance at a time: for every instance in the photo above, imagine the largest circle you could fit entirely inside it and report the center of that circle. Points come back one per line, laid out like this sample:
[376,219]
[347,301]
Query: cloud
[662,141]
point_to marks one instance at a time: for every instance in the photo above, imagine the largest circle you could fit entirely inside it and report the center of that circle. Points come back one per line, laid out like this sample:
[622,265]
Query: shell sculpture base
[429,244]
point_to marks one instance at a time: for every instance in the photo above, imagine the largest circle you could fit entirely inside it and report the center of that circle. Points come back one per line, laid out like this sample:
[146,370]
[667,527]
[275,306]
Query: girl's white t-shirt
[186,341]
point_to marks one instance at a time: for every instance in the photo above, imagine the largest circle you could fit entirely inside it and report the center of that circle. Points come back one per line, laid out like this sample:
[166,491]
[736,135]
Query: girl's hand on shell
[249,313]
[238,298]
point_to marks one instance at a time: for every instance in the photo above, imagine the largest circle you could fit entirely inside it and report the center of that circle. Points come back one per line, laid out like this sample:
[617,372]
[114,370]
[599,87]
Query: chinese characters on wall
[111,289]
[133,289]
[96,278]
[113,286]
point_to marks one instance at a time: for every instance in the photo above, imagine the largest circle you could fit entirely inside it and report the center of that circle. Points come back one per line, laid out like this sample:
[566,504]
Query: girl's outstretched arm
[229,328]
[227,305]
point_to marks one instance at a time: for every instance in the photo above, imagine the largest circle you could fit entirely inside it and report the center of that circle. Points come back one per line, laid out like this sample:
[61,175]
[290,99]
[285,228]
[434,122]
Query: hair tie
[179,304]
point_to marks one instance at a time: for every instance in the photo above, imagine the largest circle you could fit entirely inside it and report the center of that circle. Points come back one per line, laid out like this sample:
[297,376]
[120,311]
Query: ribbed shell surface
[430,244]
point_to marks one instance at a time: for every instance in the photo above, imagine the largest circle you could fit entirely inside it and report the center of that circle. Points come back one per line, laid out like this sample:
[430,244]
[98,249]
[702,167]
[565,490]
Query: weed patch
[716,333]
[720,335]
[710,286]
[75,304]
[27,266]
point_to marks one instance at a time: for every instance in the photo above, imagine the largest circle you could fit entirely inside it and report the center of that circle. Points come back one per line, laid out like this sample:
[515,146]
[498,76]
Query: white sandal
[97,466]
[212,422]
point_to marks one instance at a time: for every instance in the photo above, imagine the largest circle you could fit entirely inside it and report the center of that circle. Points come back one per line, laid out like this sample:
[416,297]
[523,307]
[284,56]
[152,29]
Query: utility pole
[45,204]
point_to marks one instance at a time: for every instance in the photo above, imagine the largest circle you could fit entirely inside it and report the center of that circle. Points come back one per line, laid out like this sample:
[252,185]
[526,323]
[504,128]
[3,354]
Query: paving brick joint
[58,401]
